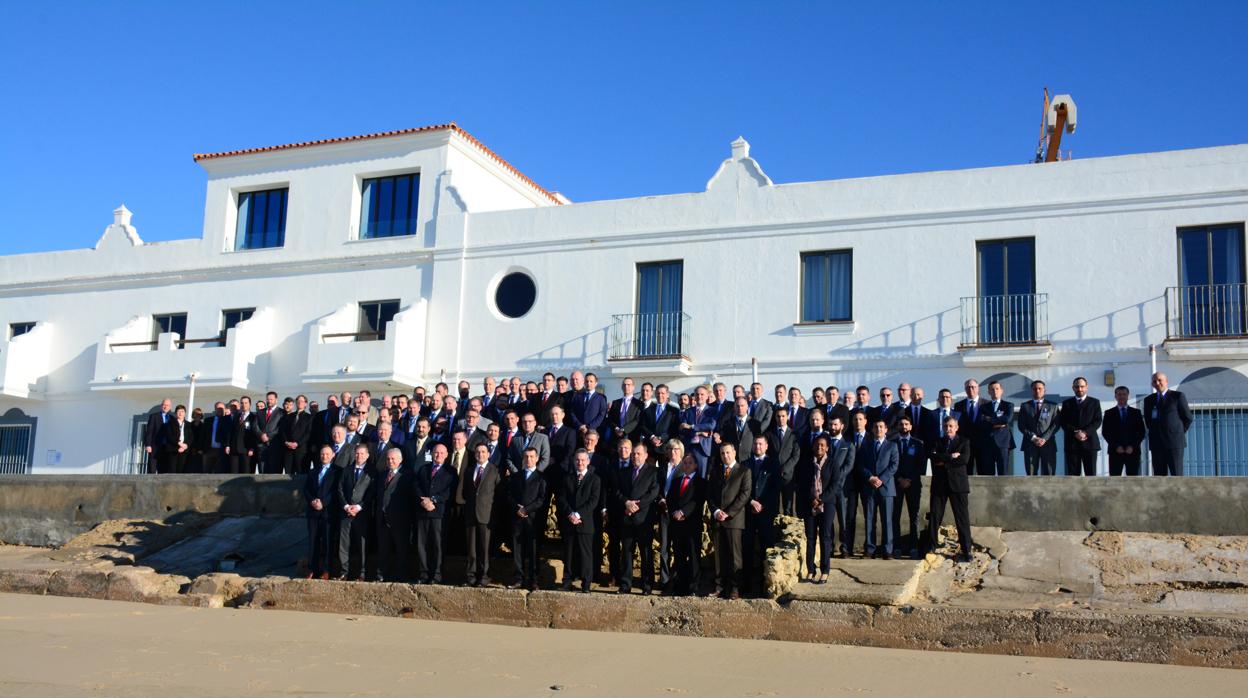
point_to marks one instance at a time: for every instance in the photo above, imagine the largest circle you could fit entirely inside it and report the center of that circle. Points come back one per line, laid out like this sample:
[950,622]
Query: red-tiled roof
[452,126]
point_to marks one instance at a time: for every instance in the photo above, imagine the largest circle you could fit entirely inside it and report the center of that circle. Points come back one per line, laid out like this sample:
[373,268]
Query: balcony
[651,343]
[1207,322]
[24,362]
[339,355]
[127,359]
[1005,329]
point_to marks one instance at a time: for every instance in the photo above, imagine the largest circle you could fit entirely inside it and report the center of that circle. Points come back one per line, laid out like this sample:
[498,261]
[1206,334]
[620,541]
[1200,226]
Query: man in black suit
[684,499]
[244,439]
[177,442]
[739,430]
[579,496]
[835,408]
[268,422]
[636,490]
[949,455]
[526,493]
[1168,418]
[623,417]
[218,430]
[562,438]
[325,421]
[476,499]
[785,446]
[669,469]
[354,507]
[295,430]
[1123,429]
[760,408]
[660,422]
[434,486]
[886,412]
[1038,423]
[996,437]
[969,412]
[818,426]
[393,523]
[760,512]
[922,420]
[549,397]
[158,454]
[727,497]
[847,511]
[319,494]
[1081,417]
[612,511]
[911,466]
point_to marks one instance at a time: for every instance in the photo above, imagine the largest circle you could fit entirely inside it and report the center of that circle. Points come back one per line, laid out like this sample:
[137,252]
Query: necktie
[434,473]
[684,484]
[336,447]
[914,411]
[527,437]
[658,412]
[359,470]
[623,411]
[579,478]
[781,430]
[389,476]
[636,472]
[972,404]
[476,478]
[740,425]
[994,406]
[1122,415]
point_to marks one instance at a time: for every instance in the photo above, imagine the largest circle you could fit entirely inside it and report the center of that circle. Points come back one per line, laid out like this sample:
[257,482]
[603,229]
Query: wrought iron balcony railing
[1014,319]
[649,336]
[1207,311]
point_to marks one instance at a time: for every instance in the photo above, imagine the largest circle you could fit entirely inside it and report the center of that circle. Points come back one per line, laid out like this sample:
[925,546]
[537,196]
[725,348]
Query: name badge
[910,449]
[1154,413]
[1000,413]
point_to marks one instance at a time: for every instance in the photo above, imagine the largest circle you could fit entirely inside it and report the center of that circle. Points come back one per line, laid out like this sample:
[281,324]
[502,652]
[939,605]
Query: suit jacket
[344,457]
[393,502]
[762,412]
[1040,423]
[970,425]
[765,485]
[477,498]
[529,493]
[562,447]
[1086,416]
[644,488]
[356,490]
[836,467]
[879,459]
[225,431]
[799,418]
[515,454]
[1167,420]
[168,440]
[155,436]
[416,452]
[628,423]
[911,460]
[787,451]
[440,488]
[704,422]
[270,423]
[664,426]
[922,420]
[741,436]
[995,428]
[588,409]
[322,488]
[949,473]
[244,434]
[542,407]
[838,410]
[296,426]
[691,502]
[853,482]
[1119,432]
[582,497]
[889,414]
[730,495]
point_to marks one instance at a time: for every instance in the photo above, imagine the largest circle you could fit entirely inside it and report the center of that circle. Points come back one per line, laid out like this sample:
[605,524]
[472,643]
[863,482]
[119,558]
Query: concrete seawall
[51,509]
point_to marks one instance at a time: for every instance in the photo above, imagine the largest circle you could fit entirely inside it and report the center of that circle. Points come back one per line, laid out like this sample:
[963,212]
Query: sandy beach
[51,646]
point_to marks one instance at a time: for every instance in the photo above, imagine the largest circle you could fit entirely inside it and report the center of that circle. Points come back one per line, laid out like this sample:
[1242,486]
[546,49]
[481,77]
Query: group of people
[389,486]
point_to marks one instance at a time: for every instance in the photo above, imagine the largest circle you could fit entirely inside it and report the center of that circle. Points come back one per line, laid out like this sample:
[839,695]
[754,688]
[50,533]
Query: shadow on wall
[1126,326]
[944,329]
[589,349]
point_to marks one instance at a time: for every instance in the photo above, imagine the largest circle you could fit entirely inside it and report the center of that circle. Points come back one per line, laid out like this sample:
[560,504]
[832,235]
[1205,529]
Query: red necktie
[684,484]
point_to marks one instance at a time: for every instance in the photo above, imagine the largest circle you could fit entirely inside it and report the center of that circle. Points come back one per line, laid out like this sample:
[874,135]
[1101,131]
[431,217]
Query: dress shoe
[585,589]
[888,556]
[623,590]
[532,587]
[734,596]
[566,586]
[324,575]
[516,585]
[646,590]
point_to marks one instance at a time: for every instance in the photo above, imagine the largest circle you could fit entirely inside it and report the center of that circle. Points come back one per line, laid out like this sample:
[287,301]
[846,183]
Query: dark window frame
[245,235]
[244,314]
[17,329]
[372,224]
[826,256]
[366,331]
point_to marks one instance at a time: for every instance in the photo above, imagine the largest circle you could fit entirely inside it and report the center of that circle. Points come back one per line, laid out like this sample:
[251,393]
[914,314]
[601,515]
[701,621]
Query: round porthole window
[515,295]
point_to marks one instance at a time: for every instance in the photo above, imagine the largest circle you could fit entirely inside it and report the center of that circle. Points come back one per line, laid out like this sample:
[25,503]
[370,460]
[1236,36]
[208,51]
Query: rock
[25,581]
[85,583]
[1205,601]
[143,584]
[228,588]
[1051,556]
[782,565]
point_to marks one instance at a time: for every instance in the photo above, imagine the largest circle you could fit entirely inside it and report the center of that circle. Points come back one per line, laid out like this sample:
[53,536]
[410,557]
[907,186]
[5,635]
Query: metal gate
[1217,442]
[15,448]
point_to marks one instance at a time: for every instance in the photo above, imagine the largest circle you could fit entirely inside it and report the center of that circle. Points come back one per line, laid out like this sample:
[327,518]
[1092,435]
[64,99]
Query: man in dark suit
[589,407]
[877,462]
[785,446]
[760,409]
[836,408]
[697,428]
[760,512]
[739,430]
[218,432]
[319,494]
[549,397]
[324,422]
[685,499]
[922,420]
[269,422]
[528,438]
[1038,423]
[668,469]
[949,455]
[659,422]
[996,437]
[417,449]
[294,433]
[887,411]
[176,443]
[244,439]
[969,412]
[727,497]
[799,417]
[526,494]
[636,490]
[1168,418]
[579,496]
[476,499]
[393,511]
[1123,429]
[911,466]
[434,487]
[1081,418]
[563,443]
[344,455]
[158,455]
[624,416]
[818,426]
[851,493]
[354,508]
[612,510]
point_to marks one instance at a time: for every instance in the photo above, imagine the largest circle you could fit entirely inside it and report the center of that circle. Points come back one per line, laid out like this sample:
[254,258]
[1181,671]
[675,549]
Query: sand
[52,646]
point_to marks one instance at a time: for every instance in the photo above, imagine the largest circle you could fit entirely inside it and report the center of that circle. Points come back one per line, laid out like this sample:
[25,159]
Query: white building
[1033,271]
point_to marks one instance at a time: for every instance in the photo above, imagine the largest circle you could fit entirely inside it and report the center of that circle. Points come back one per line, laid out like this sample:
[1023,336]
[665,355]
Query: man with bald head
[154,446]
[1168,418]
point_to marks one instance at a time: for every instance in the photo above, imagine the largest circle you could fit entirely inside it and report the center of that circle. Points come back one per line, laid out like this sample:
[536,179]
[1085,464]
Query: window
[373,318]
[173,322]
[230,318]
[660,303]
[17,329]
[515,295]
[827,286]
[1007,308]
[261,219]
[389,206]
[1211,281]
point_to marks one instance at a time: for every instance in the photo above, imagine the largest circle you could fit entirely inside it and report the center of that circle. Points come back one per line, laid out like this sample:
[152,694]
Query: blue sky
[105,102]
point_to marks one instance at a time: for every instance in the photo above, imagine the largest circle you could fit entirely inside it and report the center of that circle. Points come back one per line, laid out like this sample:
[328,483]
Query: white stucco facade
[1104,233]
